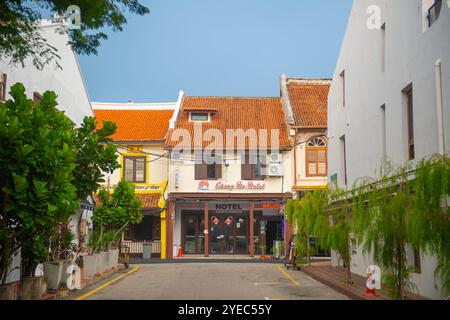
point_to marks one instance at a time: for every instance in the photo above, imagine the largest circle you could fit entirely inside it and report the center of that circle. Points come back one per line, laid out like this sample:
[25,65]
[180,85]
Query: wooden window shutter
[246,168]
[201,169]
[219,167]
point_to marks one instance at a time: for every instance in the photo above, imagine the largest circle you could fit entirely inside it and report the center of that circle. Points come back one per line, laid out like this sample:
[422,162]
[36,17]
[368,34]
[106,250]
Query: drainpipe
[439,107]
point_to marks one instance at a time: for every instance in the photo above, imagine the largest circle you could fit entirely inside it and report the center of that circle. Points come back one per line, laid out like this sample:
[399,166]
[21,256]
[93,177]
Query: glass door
[190,234]
[241,234]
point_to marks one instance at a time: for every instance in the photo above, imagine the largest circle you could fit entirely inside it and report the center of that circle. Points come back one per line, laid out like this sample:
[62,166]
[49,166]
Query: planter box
[64,274]
[8,292]
[114,258]
[106,267]
[101,262]
[53,272]
[89,266]
[32,288]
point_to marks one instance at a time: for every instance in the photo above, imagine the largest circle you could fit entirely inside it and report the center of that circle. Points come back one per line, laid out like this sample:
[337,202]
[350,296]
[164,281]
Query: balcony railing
[434,12]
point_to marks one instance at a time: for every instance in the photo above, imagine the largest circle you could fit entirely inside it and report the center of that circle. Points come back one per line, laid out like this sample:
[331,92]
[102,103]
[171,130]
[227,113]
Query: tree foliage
[95,155]
[115,212]
[37,164]
[20,37]
[47,167]
[406,208]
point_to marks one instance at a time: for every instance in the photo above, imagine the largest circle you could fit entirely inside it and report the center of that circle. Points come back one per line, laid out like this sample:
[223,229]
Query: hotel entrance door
[193,237]
[228,234]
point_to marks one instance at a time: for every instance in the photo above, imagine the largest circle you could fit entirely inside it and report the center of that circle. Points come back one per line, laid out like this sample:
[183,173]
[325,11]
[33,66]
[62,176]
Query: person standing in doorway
[228,229]
[216,234]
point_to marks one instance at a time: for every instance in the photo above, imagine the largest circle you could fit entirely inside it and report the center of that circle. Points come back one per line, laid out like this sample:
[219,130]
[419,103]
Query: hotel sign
[250,185]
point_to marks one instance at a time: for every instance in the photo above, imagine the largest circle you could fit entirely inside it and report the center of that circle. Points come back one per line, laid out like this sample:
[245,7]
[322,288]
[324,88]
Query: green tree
[20,37]
[310,219]
[95,155]
[47,167]
[116,211]
[384,230]
[37,163]
[430,217]
[340,236]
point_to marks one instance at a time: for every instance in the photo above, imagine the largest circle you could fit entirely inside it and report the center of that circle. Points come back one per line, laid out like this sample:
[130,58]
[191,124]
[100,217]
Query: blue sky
[216,48]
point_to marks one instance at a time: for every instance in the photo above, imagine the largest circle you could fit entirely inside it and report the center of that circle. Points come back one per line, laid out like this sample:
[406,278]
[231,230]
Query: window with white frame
[199,117]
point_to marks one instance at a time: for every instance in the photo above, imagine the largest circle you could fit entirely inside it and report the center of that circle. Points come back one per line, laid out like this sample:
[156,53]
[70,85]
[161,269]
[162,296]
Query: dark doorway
[273,233]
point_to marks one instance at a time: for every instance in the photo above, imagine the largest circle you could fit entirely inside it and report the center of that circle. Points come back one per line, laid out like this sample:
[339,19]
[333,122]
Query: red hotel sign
[271,206]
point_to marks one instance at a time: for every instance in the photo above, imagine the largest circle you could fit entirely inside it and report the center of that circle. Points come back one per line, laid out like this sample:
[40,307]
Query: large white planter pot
[114,258]
[107,260]
[103,261]
[64,274]
[53,273]
[98,263]
[90,266]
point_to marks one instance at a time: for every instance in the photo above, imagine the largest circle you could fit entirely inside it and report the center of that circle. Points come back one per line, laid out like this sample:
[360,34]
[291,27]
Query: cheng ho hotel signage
[240,185]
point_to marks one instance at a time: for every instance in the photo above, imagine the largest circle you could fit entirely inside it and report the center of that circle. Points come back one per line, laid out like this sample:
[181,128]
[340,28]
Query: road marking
[273,298]
[287,275]
[106,284]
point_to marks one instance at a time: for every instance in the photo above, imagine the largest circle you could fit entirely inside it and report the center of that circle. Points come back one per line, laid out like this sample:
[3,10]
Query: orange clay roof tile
[234,113]
[309,104]
[137,125]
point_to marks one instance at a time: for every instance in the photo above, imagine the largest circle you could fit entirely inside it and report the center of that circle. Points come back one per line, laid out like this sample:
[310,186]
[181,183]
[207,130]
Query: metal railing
[138,248]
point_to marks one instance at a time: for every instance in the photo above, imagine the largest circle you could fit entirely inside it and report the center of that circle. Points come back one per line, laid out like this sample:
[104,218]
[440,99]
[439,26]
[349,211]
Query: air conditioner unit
[275,170]
[275,158]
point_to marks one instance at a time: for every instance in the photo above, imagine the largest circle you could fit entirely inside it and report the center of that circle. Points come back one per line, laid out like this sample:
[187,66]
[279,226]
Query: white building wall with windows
[66,81]
[367,105]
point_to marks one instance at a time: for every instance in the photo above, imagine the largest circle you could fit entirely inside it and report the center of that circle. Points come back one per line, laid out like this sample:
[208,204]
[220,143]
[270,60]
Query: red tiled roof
[309,101]
[137,125]
[234,113]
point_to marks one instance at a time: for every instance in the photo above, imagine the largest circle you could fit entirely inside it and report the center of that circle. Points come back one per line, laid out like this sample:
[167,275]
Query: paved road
[211,281]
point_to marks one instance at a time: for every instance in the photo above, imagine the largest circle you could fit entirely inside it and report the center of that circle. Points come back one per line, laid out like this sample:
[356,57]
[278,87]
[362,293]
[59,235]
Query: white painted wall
[411,51]
[230,175]
[68,83]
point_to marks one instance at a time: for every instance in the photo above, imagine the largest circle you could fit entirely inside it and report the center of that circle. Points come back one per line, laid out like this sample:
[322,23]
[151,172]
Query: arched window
[316,157]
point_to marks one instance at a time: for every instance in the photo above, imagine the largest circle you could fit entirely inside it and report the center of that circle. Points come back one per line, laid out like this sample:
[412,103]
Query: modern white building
[389,102]
[66,80]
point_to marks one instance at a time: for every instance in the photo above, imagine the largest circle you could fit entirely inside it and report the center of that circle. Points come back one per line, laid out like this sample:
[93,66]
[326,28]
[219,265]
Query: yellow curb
[106,284]
[287,275]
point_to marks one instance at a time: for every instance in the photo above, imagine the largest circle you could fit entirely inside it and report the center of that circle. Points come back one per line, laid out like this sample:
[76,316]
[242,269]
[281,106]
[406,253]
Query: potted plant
[90,260]
[61,245]
[34,251]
